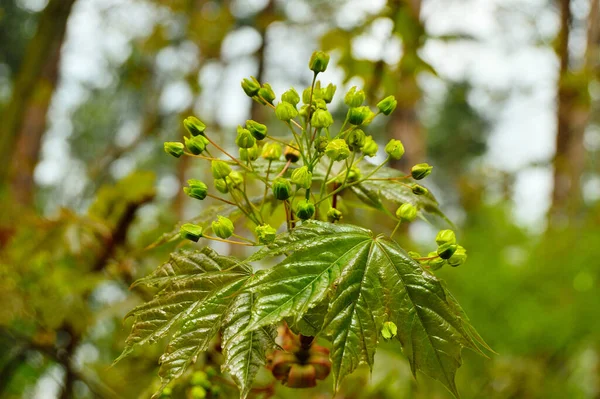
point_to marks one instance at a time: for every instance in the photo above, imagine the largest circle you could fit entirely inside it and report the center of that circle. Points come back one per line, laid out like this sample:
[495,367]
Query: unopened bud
[321,119]
[370,147]
[235,179]
[251,86]
[222,227]
[414,255]
[196,145]
[258,130]
[305,209]
[220,169]
[191,232]
[265,233]
[194,125]
[357,116]
[320,144]
[196,189]
[387,105]
[356,139]
[174,148]
[406,212]
[285,111]
[249,154]
[354,98]
[221,186]
[318,61]
[421,171]
[302,177]
[394,149]
[334,215]
[419,190]
[354,174]
[282,189]
[244,138]
[291,154]
[304,111]
[445,237]
[328,93]
[436,264]
[458,257]
[389,330]
[306,96]
[337,150]
[445,251]
[291,96]
[267,93]
[271,151]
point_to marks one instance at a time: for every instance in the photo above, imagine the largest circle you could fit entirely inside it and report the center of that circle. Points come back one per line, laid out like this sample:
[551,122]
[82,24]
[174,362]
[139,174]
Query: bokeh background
[501,96]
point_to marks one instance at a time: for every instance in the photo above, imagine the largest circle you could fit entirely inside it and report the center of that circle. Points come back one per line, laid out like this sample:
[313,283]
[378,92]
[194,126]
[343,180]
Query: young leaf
[367,280]
[245,352]
[196,290]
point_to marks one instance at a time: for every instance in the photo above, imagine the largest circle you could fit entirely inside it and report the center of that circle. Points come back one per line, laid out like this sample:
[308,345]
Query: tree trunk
[573,112]
[24,118]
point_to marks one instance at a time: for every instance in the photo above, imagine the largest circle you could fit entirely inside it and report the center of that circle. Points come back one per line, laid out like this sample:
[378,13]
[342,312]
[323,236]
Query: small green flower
[328,93]
[282,189]
[244,138]
[337,150]
[394,149]
[302,177]
[334,215]
[370,147]
[235,179]
[194,125]
[196,145]
[318,61]
[321,144]
[354,98]
[321,119]
[458,257]
[389,330]
[445,251]
[191,232]
[437,263]
[387,105]
[445,237]
[419,190]
[285,111]
[406,212]
[267,93]
[271,151]
[220,169]
[250,154]
[196,189]
[265,233]
[222,227]
[174,148]
[221,186]
[258,130]
[359,115]
[291,96]
[251,86]
[356,139]
[305,209]
[421,171]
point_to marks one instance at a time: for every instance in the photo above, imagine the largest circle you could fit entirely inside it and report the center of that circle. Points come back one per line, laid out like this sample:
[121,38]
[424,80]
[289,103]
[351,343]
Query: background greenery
[505,110]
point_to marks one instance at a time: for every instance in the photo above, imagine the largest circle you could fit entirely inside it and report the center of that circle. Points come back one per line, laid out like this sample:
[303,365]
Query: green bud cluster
[448,251]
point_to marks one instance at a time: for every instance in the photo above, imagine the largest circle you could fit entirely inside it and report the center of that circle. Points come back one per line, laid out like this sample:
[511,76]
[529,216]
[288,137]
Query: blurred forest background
[501,96]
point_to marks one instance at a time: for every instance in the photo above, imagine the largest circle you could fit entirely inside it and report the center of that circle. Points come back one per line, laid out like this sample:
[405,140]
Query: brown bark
[24,119]
[573,112]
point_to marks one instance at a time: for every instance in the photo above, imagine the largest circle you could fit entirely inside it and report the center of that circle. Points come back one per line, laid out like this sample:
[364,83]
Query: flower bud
[445,237]
[291,96]
[334,215]
[328,93]
[414,255]
[244,138]
[258,130]
[305,209]
[357,116]
[389,330]
[291,154]
[458,257]
[306,96]
[437,263]
[406,212]
[194,126]
[354,174]
[271,151]
[304,111]
[387,105]
[196,145]
[320,144]
[285,111]
[321,119]
[174,148]
[354,98]
[356,139]
[235,179]
[318,61]
[420,171]
[250,86]
[302,177]
[394,149]
[419,190]
[249,154]
[445,251]
[265,233]
[337,150]
[222,227]
[370,147]
[196,189]
[282,189]
[267,93]
[191,232]
[220,169]
[221,186]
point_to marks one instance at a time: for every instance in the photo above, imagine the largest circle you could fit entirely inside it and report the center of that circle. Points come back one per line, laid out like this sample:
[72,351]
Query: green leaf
[367,281]
[196,291]
[371,192]
[245,352]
